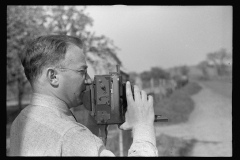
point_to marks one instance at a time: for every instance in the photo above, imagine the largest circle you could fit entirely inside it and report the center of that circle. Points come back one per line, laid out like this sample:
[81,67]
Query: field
[208,131]
[223,87]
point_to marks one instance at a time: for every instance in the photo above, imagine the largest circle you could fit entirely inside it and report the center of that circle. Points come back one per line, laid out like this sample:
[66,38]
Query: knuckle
[136,88]
[128,93]
[150,98]
[143,92]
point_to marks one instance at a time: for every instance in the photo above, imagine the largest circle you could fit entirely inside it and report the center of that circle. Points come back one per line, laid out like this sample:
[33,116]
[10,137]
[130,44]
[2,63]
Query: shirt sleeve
[144,141]
[81,142]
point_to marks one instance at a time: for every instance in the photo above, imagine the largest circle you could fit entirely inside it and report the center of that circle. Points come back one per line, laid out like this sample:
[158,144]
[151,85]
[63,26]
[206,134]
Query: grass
[178,106]
[223,88]
[170,146]
[174,147]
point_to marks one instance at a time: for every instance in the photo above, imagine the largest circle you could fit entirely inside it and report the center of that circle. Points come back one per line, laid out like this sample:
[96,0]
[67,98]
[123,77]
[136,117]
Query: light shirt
[47,127]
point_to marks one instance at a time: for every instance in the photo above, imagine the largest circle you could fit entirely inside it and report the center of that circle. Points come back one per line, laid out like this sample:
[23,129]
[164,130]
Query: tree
[132,76]
[219,59]
[145,76]
[184,70]
[71,20]
[157,72]
[203,66]
[27,22]
[23,23]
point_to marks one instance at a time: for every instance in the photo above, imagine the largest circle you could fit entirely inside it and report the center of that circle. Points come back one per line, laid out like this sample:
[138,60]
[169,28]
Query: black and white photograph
[119,81]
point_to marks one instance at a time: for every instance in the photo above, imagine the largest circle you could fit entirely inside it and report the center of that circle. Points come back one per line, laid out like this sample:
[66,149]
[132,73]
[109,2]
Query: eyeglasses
[83,71]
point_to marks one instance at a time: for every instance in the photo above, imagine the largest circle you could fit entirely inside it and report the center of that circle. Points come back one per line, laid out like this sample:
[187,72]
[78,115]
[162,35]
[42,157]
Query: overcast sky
[164,36]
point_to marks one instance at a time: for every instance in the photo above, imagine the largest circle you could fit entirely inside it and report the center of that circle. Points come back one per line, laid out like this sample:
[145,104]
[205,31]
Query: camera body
[107,101]
[106,98]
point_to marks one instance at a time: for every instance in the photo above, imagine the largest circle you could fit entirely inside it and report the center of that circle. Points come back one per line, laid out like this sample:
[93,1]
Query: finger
[124,126]
[150,99]
[129,93]
[88,80]
[144,96]
[137,95]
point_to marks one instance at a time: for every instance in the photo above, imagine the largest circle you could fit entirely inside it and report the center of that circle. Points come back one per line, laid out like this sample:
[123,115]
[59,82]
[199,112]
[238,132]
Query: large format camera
[106,99]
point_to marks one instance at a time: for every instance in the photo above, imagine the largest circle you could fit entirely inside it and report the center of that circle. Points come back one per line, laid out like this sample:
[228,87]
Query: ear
[52,77]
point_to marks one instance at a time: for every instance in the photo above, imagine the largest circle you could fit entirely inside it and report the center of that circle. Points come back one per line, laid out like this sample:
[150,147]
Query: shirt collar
[49,101]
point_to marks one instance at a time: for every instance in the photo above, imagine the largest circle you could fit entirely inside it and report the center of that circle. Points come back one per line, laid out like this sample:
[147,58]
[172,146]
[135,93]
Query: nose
[88,80]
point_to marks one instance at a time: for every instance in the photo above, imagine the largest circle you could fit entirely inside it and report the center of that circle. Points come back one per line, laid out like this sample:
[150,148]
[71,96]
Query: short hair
[46,51]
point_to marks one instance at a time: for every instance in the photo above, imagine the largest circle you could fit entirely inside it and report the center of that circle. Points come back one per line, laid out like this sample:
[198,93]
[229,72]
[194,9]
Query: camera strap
[103,131]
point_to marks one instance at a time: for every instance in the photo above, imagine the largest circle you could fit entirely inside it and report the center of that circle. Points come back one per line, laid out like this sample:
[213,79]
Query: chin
[81,97]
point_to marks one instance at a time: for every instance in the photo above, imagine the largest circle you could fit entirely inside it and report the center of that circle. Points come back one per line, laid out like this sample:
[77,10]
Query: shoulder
[79,141]
[47,118]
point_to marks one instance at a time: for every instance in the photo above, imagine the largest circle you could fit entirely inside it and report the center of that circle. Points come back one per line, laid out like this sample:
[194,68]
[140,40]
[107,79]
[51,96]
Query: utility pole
[120,143]
[152,85]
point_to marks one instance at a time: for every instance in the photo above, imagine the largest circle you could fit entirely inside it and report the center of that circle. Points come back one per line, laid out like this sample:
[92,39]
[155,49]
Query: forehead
[74,57]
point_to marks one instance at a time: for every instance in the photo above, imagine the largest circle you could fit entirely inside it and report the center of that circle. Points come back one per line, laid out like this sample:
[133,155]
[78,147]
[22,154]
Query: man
[56,68]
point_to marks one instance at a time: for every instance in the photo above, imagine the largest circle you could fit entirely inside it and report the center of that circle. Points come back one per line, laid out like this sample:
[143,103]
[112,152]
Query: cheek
[70,85]
[79,86]
[73,85]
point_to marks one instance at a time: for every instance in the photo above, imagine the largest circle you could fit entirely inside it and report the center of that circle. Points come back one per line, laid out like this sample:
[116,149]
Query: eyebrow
[84,67]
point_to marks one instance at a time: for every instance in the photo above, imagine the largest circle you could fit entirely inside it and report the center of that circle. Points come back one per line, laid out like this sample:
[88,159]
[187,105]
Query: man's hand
[140,110]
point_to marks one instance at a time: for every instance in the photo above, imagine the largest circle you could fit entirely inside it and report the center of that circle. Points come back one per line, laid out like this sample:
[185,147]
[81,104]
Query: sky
[163,36]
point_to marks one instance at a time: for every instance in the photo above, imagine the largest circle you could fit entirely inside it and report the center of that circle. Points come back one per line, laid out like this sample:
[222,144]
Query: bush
[178,106]
[169,146]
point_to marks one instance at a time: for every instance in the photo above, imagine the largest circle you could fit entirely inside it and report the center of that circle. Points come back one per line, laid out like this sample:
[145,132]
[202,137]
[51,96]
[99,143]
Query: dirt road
[210,124]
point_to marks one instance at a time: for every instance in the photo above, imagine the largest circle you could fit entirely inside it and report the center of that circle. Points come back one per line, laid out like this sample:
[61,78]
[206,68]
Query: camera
[106,99]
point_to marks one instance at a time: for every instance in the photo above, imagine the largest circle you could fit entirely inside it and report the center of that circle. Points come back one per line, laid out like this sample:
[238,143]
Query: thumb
[125,126]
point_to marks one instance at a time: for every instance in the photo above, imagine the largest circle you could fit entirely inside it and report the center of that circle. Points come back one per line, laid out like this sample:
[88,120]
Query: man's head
[56,65]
